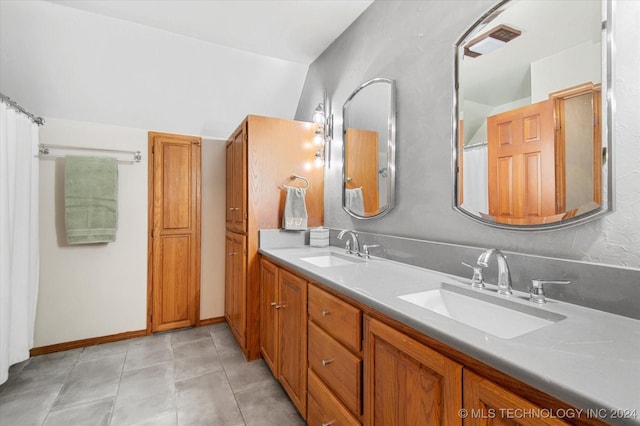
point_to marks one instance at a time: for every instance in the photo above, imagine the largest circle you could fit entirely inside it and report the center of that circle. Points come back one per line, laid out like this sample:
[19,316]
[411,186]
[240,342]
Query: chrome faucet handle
[365,250]
[351,246]
[477,281]
[536,295]
[504,274]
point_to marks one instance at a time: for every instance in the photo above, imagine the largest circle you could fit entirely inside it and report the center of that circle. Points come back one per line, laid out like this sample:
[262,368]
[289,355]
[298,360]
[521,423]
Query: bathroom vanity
[376,357]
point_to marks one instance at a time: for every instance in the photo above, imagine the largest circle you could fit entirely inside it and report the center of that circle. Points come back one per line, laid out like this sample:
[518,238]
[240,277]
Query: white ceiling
[293,30]
[548,27]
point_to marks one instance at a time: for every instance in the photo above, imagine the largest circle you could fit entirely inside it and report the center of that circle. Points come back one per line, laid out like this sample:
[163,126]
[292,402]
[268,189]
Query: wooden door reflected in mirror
[368,183]
[535,150]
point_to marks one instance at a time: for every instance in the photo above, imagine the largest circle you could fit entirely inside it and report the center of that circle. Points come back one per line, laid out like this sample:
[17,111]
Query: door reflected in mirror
[369,149]
[529,148]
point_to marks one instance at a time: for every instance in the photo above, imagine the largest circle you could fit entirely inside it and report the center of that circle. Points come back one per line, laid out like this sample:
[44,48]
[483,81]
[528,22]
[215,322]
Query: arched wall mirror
[368,155]
[532,122]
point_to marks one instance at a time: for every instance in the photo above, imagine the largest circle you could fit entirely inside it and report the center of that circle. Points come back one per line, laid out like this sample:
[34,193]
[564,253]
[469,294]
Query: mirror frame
[391,148]
[607,128]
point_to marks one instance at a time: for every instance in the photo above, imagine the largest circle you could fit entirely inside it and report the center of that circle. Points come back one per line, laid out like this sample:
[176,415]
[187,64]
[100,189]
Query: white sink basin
[499,317]
[331,259]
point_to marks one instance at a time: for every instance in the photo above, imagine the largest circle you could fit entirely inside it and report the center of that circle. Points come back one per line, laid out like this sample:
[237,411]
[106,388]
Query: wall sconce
[324,133]
[490,41]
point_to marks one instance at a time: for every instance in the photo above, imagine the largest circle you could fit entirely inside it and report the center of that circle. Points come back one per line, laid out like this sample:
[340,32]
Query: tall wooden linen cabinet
[262,155]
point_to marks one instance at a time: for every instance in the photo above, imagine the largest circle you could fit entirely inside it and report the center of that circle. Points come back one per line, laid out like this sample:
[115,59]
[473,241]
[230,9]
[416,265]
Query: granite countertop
[590,360]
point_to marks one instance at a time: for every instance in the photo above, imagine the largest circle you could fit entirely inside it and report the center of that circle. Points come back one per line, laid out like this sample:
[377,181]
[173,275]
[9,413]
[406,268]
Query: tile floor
[189,377]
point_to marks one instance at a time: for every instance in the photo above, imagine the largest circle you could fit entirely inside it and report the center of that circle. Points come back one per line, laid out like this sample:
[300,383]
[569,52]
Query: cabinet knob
[326,362]
[275,305]
[325,312]
[232,254]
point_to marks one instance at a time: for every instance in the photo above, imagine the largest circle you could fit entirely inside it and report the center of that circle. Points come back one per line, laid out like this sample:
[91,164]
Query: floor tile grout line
[64,382]
[115,397]
[175,389]
[226,375]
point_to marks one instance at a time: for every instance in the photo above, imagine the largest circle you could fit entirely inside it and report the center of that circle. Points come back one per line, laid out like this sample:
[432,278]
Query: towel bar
[44,152]
[294,177]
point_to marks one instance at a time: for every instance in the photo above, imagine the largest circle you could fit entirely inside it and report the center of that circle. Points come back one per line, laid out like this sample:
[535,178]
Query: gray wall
[412,42]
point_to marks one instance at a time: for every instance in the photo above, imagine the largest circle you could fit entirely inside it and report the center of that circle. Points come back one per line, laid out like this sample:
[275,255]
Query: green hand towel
[90,199]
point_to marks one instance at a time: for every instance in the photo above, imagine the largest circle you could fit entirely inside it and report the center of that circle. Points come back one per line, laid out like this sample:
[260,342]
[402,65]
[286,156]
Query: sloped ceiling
[190,67]
[293,30]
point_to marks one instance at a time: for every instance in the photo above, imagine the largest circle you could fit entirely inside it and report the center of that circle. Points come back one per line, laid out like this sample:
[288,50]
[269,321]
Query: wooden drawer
[338,318]
[337,367]
[323,408]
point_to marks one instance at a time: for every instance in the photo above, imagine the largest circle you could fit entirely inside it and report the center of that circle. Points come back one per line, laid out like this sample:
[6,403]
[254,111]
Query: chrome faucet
[504,275]
[355,249]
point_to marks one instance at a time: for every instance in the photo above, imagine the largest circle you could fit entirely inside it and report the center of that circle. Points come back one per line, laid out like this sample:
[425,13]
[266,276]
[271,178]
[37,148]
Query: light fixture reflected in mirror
[533,118]
[322,138]
[490,41]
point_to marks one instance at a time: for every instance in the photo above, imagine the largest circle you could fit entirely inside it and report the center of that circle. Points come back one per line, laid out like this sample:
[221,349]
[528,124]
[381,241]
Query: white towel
[354,201]
[295,209]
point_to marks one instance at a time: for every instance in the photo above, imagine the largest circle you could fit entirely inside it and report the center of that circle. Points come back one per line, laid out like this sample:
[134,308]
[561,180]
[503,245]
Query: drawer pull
[329,423]
[232,254]
[326,362]
[325,312]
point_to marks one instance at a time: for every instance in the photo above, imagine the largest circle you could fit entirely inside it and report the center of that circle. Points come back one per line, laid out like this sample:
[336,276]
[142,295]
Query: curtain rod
[475,145]
[14,105]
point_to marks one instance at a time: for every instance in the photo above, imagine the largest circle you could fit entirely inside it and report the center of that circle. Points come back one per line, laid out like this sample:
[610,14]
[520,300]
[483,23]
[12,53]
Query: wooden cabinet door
[228,276]
[269,307]
[174,220]
[292,324]
[236,178]
[488,404]
[521,157]
[361,166]
[235,284]
[407,383]
[229,216]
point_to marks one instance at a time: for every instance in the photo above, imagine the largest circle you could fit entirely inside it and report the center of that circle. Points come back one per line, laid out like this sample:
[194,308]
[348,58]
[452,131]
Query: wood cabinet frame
[273,150]
[283,297]
[470,364]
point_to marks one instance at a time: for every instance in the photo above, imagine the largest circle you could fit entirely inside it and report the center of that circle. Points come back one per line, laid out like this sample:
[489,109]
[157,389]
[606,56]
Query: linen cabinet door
[269,307]
[406,382]
[228,276]
[240,179]
[236,284]
[488,404]
[236,192]
[229,204]
[292,320]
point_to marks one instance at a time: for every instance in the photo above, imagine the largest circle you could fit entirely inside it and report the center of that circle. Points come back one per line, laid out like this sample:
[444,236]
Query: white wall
[62,62]
[568,68]
[98,290]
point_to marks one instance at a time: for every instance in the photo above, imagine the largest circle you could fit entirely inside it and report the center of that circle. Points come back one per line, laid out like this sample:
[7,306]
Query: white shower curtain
[19,257]
[475,180]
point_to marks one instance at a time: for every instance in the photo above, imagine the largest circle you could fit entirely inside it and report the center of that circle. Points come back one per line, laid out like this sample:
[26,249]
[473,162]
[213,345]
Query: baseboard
[210,321]
[58,347]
